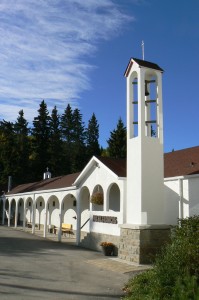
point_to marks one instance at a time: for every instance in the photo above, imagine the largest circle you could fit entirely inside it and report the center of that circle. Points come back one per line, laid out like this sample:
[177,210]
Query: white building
[142,196]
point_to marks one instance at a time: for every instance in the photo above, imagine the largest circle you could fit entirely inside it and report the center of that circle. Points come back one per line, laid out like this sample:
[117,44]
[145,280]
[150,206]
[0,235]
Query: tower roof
[141,63]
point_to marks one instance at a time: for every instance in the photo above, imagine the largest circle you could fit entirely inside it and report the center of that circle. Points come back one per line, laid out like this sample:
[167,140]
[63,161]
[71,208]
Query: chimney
[9,183]
[47,174]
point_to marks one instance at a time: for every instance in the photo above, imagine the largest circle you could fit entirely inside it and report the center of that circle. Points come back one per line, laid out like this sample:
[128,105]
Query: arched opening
[69,211]
[20,212]
[114,198]
[39,213]
[1,210]
[97,198]
[151,120]
[12,212]
[134,107]
[85,209]
[6,212]
[53,212]
[28,212]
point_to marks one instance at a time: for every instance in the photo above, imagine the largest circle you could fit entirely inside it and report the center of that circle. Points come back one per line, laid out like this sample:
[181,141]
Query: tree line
[60,142]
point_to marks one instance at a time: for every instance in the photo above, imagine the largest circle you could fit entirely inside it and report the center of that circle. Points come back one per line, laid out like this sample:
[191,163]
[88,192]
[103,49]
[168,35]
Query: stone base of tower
[140,244]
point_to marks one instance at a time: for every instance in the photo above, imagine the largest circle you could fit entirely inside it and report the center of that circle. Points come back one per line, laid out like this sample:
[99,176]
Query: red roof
[47,184]
[117,165]
[181,162]
[176,163]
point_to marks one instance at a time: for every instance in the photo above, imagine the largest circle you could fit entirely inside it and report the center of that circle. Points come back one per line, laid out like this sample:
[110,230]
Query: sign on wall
[105,219]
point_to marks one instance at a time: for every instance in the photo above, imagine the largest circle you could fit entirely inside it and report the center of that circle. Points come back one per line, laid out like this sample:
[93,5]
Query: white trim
[91,164]
[181,177]
[71,188]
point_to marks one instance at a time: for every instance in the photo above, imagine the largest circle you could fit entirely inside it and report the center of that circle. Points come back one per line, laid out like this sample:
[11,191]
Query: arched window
[114,198]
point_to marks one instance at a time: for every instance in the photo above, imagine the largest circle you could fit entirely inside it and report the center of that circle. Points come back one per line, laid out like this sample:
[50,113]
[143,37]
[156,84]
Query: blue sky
[74,51]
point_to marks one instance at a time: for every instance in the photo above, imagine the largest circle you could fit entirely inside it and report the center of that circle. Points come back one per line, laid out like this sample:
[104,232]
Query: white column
[60,222]
[141,104]
[3,212]
[78,229]
[24,213]
[106,202]
[9,213]
[159,108]
[16,213]
[33,214]
[180,183]
[45,220]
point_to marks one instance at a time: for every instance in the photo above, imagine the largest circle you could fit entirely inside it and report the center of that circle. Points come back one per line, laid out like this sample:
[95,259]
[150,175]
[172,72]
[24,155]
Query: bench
[65,228]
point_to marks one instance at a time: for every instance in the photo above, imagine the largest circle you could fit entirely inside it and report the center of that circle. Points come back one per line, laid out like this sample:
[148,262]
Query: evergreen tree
[117,141]
[41,136]
[8,157]
[55,145]
[22,150]
[92,136]
[67,125]
[78,143]
[67,137]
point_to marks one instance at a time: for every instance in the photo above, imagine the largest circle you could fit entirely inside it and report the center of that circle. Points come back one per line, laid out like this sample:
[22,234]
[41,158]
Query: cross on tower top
[142,49]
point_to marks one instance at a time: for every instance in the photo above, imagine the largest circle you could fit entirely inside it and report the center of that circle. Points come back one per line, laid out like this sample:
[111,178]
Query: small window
[29,204]
[53,203]
[40,203]
[74,203]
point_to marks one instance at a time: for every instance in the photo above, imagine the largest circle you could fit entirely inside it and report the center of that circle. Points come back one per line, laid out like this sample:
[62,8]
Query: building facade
[139,198]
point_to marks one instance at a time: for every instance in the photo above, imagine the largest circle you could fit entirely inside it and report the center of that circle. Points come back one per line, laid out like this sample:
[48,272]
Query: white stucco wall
[181,197]
[47,206]
[110,184]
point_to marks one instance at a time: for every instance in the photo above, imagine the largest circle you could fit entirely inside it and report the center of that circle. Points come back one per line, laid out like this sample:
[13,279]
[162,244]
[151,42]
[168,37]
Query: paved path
[32,267]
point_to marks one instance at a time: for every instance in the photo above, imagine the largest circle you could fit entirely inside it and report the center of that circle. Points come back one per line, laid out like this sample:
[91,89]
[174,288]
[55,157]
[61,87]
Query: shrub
[177,267]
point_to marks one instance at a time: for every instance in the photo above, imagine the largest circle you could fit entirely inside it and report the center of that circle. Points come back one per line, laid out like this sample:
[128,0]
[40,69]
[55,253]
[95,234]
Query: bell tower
[145,197]
[145,231]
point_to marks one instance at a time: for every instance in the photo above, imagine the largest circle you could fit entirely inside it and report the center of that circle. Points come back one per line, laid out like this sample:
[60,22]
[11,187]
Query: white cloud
[44,46]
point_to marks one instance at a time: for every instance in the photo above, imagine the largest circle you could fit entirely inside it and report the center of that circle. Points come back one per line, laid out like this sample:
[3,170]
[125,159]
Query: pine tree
[67,137]
[67,125]
[22,152]
[8,157]
[41,136]
[55,145]
[78,144]
[117,141]
[92,137]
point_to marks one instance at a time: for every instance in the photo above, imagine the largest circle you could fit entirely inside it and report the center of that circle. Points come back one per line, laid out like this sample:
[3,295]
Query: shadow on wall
[184,205]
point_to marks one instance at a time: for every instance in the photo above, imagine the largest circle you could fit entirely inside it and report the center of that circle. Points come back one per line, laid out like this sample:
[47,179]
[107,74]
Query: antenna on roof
[142,49]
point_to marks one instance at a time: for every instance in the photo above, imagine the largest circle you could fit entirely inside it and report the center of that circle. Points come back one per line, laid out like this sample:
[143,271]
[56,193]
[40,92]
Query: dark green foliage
[175,274]
[8,158]
[67,137]
[78,145]
[92,137]
[61,144]
[55,144]
[117,141]
[67,125]
[22,149]
[41,137]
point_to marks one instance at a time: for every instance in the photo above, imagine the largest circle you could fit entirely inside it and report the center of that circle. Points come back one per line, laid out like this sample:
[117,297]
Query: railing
[85,223]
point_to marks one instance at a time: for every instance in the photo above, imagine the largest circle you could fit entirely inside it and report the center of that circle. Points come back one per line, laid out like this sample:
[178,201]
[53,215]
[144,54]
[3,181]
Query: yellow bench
[67,228]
